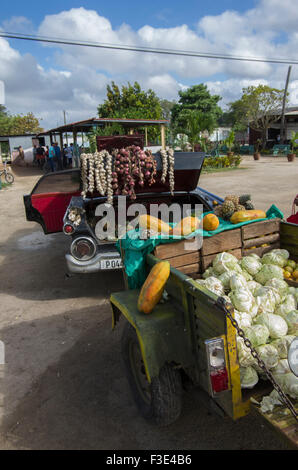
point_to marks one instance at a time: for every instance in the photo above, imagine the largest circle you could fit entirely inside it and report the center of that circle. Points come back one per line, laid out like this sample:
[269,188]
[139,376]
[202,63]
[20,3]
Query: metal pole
[282,127]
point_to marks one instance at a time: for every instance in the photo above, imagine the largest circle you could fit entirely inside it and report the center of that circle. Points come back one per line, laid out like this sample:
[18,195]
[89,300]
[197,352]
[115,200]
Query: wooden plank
[261,250]
[207,260]
[184,260]
[168,250]
[261,240]
[223,241]
[190,269]
[258,229]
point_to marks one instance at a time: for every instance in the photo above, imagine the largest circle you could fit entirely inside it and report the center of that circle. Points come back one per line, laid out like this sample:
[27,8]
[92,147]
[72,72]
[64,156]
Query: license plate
[111,263]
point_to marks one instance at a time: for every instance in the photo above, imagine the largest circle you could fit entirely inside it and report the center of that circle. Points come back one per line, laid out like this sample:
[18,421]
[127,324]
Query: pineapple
[218,210]
[249,205]
[239,207]
[233,198]
[228,209]
[244,198]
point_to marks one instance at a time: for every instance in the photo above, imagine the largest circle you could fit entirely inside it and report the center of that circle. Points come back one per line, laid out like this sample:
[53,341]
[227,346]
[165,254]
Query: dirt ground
[63,385]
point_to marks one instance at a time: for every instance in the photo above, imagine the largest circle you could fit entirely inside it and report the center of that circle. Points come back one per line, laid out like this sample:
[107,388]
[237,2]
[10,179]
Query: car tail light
[218,374]
[68,229]
[83,248]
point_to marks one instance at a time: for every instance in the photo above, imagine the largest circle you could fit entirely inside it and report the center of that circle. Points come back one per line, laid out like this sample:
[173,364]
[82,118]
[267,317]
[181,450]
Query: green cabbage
[284,253]
[276,325]
[280,285]
[225,279]
[274,258]
[292,322]
[248,377]
[246,275]
[282,345]
[243,318]
[266,299]
[251,264]
[244,355]
[225,262]
[242,299]
[208,273]
[253,286]
[213,284]
[237,281]
[269,271]
[286,306]
[288,383]
[268,354]
[282,367]
[257,334]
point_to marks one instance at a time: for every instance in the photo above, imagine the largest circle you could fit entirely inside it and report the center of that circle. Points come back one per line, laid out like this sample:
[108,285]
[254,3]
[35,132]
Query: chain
[255,355]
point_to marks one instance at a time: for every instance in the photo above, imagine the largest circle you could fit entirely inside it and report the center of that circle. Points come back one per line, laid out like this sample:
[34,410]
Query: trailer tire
[160,401]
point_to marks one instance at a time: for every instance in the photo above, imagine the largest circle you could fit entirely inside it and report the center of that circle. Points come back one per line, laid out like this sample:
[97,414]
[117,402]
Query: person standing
[58,155]
[40,156]
[69,153]
[51,157]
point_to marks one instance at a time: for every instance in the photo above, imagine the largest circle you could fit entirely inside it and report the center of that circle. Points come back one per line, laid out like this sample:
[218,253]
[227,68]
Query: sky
[48,79]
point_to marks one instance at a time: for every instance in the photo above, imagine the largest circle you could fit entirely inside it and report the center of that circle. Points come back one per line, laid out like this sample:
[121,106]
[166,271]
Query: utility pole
[282,126]
[64,115]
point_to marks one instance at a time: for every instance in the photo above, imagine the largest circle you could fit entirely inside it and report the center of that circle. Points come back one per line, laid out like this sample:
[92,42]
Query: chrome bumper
[94,264]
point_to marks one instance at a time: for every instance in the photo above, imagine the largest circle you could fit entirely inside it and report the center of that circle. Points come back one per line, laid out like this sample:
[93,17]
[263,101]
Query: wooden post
[61,142]
[163,136]
[146,137]
[74,135]
[283,130]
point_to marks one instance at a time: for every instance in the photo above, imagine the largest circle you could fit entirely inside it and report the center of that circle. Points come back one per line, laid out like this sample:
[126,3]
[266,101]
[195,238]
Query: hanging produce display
[122,171]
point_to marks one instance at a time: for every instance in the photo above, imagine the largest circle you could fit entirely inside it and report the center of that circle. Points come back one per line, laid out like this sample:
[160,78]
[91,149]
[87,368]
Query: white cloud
[77,77]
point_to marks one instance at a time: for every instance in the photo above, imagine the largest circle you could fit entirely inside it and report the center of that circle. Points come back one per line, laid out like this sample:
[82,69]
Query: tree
[18,124]
[258,108]
[195,98]
[196,123]
[131,102]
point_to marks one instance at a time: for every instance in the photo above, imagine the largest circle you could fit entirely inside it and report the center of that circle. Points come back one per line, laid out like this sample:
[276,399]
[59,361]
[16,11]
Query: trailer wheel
[160,401]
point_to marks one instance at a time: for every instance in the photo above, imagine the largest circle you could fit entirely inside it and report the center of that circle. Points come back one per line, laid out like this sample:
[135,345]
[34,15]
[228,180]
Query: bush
[223,161]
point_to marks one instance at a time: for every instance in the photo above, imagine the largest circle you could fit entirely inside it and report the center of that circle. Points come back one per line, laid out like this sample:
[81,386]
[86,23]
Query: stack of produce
[265,307]
[233,203]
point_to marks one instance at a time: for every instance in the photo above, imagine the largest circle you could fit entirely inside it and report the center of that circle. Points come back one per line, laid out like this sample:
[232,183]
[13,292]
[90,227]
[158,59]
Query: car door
[49,199]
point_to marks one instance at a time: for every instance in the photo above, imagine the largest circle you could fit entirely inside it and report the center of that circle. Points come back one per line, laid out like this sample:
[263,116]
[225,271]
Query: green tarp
[136,249]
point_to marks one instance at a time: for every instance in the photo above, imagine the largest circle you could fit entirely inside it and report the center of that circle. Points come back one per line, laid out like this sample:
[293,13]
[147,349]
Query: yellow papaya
[153,286]
[244,216]
[186,226]
[153,223]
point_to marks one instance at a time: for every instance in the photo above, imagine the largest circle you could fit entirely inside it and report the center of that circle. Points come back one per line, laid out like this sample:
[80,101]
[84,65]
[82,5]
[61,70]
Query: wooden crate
[266,232]
[225,241]
[181,256]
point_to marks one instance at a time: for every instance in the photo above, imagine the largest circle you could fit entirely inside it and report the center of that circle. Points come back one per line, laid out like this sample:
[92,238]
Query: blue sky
[47,79]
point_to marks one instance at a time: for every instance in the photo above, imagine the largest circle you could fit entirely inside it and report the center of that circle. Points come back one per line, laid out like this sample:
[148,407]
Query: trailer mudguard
[162,334]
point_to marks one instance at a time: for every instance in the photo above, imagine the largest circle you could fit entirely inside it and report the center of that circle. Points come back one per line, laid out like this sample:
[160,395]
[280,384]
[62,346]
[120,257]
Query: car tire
[160,401]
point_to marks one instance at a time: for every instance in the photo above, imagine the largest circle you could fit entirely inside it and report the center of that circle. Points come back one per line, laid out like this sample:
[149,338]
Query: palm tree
[197,122]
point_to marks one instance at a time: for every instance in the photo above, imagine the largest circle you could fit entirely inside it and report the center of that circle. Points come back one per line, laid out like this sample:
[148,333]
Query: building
[9,145]
[273,135]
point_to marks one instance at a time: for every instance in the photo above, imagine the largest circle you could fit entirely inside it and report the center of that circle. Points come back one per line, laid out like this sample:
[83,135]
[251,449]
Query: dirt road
[63,385]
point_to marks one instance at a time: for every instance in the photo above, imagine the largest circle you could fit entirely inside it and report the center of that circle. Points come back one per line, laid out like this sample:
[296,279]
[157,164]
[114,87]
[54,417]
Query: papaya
[153,286]
[244,216]
[186,226]
[153,223]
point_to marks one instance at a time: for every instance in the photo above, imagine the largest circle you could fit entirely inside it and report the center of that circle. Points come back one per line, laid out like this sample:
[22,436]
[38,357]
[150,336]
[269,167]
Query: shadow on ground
[82,400]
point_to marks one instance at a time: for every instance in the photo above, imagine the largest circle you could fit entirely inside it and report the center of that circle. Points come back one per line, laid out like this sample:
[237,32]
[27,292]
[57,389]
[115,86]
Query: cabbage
[292,322]
[276,325]
[213,284]
[266,299]
[257,334]
[225,262]
[244,355]
[280,285]
[243,318]
[269,271]
[268,403]
[268,354]
[250,264]
[248,377]
[284,253]
[253,286]
[225,279]
[288,383]
[237,281]
[273,258]
[255,256]
[282,345]
[282,367]
[246,275]
[208,273]
[286,306]
[242,299]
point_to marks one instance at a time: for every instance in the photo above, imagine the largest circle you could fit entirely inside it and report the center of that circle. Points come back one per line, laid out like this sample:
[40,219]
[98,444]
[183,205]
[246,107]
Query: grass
[4,185]
[217,170]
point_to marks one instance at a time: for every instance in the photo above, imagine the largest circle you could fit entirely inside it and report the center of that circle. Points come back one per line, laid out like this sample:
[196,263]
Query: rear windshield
[61,182]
